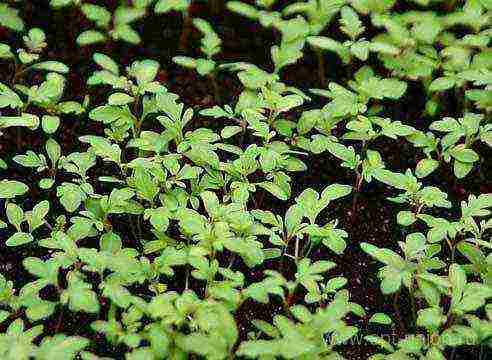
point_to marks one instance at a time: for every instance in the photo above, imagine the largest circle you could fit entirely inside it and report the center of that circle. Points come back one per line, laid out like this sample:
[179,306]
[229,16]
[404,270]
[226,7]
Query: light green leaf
[50,123]
[19,238]
[12,188]
[89,37]
[9,98]
[426,167]
[381,318]
[55,66]
[464,155]
[441,84]
[15,215]
[274,189]
[120,99]
[9,18]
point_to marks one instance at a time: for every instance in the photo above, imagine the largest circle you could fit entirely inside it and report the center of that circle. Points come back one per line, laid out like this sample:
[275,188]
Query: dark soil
[374,220]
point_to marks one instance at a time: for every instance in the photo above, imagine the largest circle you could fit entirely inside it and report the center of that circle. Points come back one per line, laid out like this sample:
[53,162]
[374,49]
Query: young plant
[138,222]
[110,25]
[182,6]
[210,46]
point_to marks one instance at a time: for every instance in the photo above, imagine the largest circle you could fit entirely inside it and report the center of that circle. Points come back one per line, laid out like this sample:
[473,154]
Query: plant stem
[59,321]
[138,122]
[357,186]
[321,68]
[296,250]
[451,247]
[139,229]
[397,311]
[215,86]
[306,250]
[187,278]
[450,5]
[133,228]
[412,301]
[185,33]
[231,262]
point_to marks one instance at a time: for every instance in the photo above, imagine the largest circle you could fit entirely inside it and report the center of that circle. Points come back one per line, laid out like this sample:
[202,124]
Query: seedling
[269,212]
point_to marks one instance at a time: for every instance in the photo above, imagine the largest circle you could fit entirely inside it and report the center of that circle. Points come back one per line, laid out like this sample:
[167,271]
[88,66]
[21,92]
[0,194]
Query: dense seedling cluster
[246,179]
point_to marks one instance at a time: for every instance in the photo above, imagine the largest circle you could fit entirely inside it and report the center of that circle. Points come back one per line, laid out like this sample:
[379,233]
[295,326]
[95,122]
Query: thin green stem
[296,250]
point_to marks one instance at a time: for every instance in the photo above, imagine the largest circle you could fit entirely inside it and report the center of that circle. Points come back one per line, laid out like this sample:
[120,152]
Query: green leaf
[405,218]
[46,183]
[462,169]
[335,191]
[192,222]
[335,284]
[38,214]
[164,6]
[376,340]
[12,188]
[205,66]
[464,155]
[79,295]
[309,274]
[70,107]
[381,318]
[9,18]
[425,167]
[457,278]
[61,347]
[386,256]
[240,8]
[19,238]
[5,52]
[28,120]
[15,215]
[53,150]
[351,24]
[103,148]
[106,63]
[486,137]
[441,84]
[35,40]
[326,43]
[446,125]
[127,34]
[110,242]
[432,196]
[399,181]
[71,196]
[46,270]
[96,13]
[145,185]
[9,98]
[274,189]
[120,99]
[30,159]
[259,348]
[144,71]
[230,131]
[458,336]
[89,37]
[185,61]
[430,318]
[50,123]
[61,3]
[52,66]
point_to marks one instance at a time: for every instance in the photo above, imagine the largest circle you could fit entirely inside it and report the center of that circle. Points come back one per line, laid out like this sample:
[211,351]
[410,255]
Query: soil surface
[374,220]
